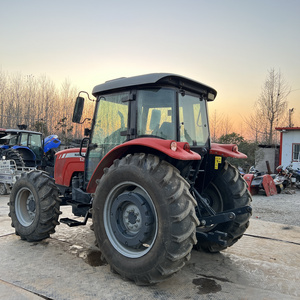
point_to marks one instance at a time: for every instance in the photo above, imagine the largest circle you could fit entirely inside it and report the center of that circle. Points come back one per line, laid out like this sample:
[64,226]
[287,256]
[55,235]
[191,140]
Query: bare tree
[214,123]
[30,98]
[3,88]
[272,103]
[255,127]
[46,98]
[17,95]
[226,125]
[36,102]
[219,125]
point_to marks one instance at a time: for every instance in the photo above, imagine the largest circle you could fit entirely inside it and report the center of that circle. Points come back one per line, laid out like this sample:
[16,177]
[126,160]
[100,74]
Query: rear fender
[144,145]
[226,150]
[27,153]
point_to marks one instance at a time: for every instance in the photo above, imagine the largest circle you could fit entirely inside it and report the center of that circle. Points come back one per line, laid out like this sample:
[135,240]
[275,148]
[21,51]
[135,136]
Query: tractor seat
[167,131]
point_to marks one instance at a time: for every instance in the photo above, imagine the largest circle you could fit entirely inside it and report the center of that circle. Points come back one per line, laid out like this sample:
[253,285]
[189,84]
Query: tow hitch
[226,216]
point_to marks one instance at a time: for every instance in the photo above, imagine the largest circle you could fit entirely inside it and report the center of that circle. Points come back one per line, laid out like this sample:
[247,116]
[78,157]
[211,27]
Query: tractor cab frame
[162,114]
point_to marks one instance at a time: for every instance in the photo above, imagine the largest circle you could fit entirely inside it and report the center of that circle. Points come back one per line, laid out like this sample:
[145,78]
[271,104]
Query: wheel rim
[130,219]
[215,201]
[25,206]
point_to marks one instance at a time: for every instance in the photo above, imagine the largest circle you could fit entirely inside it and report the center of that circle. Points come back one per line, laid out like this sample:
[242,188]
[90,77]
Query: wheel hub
[131,219]
[30,204]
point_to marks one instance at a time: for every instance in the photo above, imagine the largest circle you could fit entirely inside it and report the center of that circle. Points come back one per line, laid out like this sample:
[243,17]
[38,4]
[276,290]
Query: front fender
[226,150]
[182,152]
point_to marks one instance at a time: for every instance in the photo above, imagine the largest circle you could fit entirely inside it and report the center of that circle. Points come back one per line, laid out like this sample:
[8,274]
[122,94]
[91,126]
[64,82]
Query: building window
[296,152]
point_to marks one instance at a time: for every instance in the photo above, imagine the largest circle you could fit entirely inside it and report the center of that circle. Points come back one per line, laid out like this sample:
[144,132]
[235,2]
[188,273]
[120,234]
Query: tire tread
[183,219]
[48,202]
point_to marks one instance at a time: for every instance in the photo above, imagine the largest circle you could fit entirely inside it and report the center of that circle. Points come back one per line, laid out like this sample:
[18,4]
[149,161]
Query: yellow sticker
[218,160]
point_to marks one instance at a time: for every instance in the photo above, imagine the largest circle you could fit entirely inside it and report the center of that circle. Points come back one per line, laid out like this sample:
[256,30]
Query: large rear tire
[227,191]
[144,218]
[34,206]
[12,154]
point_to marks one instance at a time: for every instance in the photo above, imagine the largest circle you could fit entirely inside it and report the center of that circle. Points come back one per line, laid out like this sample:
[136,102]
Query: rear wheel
[12,154]
[227,191]
[144,218]
[34,206]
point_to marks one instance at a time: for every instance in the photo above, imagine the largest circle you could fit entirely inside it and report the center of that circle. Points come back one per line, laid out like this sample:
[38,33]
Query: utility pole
[291,110]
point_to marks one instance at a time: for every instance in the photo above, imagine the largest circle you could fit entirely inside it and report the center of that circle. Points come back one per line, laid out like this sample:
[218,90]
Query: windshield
[156,113]
[193,120]
[26,139]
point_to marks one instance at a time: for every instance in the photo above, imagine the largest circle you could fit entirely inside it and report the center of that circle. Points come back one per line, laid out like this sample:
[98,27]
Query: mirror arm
[89,119]
[93,100]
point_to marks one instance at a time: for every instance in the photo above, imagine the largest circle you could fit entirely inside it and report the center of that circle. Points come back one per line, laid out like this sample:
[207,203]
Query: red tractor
[149,177]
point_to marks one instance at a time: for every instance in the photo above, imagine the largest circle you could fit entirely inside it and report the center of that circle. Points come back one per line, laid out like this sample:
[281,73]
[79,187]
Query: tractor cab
[153,106]
[28,143]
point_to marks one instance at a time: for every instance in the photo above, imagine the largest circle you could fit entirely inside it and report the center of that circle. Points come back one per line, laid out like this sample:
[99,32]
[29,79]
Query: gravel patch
[283,208]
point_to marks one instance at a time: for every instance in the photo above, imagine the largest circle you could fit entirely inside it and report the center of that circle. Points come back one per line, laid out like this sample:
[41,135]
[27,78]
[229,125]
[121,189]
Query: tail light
[187,147]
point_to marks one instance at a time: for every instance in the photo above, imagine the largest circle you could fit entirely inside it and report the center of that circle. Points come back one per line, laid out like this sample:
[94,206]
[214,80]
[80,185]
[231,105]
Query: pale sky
[229,45]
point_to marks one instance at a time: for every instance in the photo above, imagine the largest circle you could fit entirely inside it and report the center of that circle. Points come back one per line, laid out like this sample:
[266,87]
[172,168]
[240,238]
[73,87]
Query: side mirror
[78,108]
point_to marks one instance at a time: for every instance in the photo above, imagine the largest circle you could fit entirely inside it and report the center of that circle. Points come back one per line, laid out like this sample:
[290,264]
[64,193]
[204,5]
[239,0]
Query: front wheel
[144,218]
[34,206]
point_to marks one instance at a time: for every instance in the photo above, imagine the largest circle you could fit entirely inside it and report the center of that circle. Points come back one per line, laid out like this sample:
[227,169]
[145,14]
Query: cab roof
[16,131]
[163,79]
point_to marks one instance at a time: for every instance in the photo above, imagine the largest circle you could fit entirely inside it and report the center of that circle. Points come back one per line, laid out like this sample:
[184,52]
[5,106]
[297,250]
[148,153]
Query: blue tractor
[29,145]
[28,149]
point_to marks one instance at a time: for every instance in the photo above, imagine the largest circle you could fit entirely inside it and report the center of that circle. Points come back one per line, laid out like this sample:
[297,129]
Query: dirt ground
[264,264]
[281,208]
